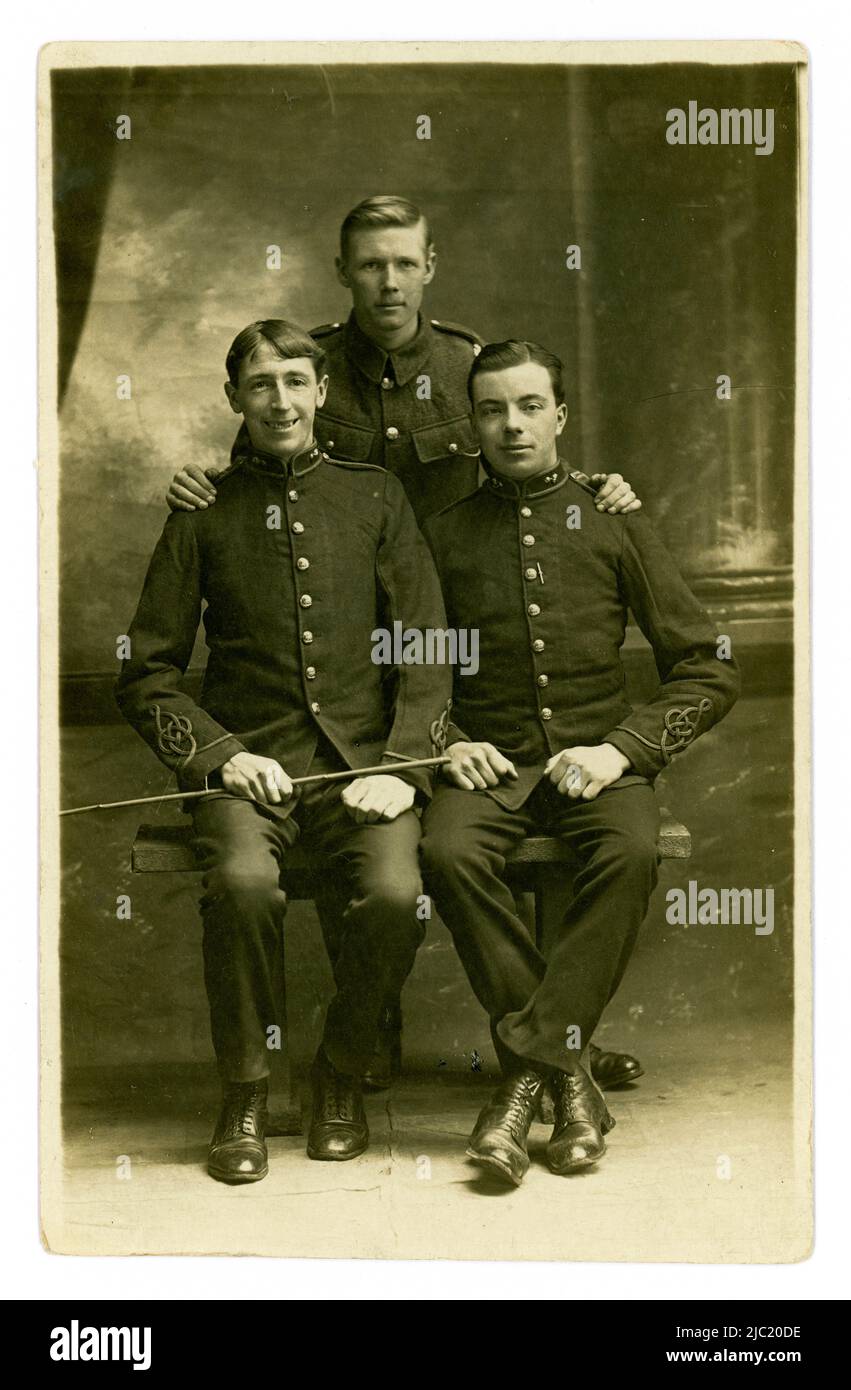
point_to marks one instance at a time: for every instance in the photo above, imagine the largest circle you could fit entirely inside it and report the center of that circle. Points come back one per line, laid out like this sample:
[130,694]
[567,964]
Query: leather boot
[238,1147]
[338,1129]
[499,1139]
[581,1120]
[386,1064]
[610,1069]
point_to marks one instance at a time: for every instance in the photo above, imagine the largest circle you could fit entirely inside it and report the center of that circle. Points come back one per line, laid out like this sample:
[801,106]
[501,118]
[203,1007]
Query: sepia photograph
[425,651]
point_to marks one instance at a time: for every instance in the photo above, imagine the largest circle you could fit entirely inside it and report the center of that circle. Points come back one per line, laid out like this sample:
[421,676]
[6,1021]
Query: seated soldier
[544,741]
[300,560]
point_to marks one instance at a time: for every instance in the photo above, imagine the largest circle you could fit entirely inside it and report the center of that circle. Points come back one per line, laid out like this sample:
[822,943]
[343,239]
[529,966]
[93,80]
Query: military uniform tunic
[290,610]
[550,600]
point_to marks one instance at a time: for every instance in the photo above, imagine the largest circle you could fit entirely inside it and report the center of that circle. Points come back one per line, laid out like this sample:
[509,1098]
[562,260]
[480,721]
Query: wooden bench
[541,866]
[537,866]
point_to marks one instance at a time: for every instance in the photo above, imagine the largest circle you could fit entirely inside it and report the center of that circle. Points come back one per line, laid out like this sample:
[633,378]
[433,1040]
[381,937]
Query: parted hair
[382,210]
[514,352]
[288,340]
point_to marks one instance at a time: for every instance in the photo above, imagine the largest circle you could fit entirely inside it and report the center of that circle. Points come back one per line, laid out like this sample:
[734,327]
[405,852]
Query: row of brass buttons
[534,610]
[302,563]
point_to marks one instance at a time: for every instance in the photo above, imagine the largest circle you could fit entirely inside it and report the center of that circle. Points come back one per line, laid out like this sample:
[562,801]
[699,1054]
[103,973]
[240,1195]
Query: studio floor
[700,1167]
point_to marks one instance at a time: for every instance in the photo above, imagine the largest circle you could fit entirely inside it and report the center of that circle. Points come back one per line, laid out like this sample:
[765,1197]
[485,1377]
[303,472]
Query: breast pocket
[450,439]
[344,440]
[443,467]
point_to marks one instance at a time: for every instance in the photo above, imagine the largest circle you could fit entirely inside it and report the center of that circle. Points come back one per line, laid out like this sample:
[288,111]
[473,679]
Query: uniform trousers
[243,846]
[536,1005]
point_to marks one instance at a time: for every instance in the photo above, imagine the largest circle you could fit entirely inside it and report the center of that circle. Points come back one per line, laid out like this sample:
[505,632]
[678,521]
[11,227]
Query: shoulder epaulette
[324,329]
[582,480]
[458,331]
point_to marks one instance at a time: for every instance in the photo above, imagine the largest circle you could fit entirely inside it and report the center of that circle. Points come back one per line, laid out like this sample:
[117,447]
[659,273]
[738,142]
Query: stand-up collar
[296,467]
[536,486]
[405,362]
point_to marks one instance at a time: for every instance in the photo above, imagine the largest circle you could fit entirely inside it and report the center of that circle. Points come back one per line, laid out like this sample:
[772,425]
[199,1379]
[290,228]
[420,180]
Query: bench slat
[167,849]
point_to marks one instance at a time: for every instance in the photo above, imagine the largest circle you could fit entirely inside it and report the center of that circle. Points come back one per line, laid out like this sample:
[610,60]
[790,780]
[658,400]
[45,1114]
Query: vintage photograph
[425,652]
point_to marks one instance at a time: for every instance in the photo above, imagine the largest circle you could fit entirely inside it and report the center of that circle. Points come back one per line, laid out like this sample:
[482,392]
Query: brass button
[528,540]
[302,563]
[543,680]
[314,705]
[330,444]
[392,432]
[533,610]
[525,511]
[307,638]
[306,601]
[386,384]
[531,573]
[310,672]
[453,448]
[537,645]
[297,528]
[293,495]
[546,713]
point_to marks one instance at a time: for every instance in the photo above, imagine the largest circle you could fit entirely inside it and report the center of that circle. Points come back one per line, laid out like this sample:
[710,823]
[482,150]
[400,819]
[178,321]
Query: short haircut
[288,340]
[383,210]
[497,357]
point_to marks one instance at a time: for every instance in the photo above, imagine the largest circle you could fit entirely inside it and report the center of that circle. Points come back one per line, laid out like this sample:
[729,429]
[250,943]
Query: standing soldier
[397,398]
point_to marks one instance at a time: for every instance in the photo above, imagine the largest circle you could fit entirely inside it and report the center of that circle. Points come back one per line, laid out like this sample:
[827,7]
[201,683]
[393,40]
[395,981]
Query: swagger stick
[381,768]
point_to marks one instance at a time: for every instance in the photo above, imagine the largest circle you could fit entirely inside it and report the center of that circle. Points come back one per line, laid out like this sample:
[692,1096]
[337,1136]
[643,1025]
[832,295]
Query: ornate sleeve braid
[680,728]
[438,730]
[176,740]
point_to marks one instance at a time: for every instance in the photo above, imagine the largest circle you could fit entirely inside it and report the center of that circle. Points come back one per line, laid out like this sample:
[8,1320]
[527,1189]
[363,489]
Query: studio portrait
[424,640]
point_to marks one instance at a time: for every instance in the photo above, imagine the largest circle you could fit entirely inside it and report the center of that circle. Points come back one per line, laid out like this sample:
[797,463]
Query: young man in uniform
[299,561]
[544,741]
[397,398]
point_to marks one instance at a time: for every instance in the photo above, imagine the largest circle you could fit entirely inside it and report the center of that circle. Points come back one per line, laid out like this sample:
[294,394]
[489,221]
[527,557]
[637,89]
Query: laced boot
[238,1147]
[499,1139]
[338,1128]
[581,1120]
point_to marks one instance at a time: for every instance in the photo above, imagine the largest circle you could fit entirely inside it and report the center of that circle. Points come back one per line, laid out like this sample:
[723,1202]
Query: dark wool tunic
[550,602]
[289,622]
